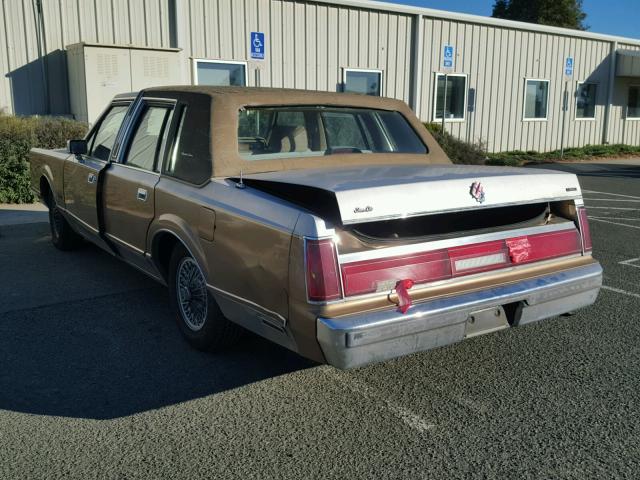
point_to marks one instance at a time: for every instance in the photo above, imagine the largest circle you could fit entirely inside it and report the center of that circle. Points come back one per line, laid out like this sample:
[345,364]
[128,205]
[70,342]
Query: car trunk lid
[373,193]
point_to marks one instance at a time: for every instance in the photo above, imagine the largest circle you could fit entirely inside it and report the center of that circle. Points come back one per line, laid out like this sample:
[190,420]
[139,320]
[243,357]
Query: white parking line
[617,290]
[615,223]
[635,219]
[630,262]
[591,207]
[611,200]
[409,418]
[607,193]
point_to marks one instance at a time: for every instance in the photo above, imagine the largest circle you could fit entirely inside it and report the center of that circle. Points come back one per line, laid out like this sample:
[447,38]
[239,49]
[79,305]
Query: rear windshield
[281,132]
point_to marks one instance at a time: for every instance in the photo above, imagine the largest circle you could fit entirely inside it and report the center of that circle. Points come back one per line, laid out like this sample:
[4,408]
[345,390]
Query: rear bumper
[361,339]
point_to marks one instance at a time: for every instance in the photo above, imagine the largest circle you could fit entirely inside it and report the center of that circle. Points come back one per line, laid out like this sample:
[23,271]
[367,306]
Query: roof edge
[477,19]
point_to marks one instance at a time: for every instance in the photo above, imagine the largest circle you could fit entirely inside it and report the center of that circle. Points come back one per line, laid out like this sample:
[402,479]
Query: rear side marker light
[323,282]
[584,229]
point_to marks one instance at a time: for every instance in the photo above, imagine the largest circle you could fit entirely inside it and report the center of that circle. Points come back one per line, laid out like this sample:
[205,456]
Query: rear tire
[62,235]
[198,315]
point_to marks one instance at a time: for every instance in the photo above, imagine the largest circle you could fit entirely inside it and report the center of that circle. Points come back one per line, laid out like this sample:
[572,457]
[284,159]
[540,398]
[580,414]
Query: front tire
[198,315]
[62,235]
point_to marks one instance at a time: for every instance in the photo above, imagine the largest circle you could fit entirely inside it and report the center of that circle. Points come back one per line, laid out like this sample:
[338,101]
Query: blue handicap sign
[448,56]
[257,45]
[568,67]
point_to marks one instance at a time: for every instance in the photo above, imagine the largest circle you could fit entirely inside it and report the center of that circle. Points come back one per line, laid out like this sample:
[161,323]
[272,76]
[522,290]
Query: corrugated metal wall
[139,22]
[307,44]
[624,130]
[497,61]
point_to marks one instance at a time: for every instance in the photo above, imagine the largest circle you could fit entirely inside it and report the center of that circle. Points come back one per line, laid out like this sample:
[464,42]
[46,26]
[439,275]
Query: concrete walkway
[609,161]
[23,213]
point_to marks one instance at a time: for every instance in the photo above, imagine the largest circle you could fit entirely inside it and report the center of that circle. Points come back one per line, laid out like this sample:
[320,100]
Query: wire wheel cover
[192,293]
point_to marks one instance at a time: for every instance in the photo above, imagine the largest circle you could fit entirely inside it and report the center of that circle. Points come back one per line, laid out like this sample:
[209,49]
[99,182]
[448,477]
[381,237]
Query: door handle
[142,195]
[92,178]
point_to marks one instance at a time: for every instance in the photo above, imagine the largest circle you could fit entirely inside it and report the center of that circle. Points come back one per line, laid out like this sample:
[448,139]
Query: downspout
[610,86]
[416,77]
[42,44]
[178,36]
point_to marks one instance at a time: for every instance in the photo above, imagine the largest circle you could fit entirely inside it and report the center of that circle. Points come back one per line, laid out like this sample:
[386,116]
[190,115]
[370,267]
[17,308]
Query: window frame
[626,113]
[90,137]
[346,70]
[575,112]
[524,101]
[132,128]
[435,98]
[195,61]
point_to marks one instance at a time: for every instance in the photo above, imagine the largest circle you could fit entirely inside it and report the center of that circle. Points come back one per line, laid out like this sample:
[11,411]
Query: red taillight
[369,276]
[584,229]
[544,246]
[323,282]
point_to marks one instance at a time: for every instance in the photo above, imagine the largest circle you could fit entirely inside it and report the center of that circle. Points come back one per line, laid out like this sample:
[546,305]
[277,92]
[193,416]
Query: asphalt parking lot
[95,381]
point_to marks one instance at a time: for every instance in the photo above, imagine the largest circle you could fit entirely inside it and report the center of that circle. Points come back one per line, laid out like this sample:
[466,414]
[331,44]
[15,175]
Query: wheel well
[163,245]
[45,191]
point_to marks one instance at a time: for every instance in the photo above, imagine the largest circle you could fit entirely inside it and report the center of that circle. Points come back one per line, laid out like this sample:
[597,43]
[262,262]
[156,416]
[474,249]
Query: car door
[81,172]
[129,183]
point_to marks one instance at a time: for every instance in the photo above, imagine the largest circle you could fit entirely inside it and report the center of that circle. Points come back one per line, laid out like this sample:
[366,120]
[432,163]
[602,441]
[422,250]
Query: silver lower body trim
[361,339]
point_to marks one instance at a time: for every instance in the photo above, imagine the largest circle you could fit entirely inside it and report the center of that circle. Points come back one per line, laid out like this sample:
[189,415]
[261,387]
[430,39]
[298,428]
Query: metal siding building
[315,44]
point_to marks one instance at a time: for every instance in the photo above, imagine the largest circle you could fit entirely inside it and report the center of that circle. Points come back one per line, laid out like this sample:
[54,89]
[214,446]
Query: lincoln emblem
[477,191]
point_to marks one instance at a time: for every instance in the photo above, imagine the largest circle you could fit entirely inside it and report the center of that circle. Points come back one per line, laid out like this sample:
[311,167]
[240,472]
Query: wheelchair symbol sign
[448,57]
[257,45]
[568,67]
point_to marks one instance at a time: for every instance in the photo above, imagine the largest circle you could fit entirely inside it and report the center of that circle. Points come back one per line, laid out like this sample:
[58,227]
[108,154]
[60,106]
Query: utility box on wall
[97,73]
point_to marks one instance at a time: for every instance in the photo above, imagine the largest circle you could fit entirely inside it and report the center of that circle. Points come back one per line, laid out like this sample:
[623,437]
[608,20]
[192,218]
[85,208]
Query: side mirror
[77,147]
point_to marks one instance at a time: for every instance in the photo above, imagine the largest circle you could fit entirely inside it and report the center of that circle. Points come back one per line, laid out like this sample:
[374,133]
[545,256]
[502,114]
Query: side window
[106,134]
[190,160]
[145,145]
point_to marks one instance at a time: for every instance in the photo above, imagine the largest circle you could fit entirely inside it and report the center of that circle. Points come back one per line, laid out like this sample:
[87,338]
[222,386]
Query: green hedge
[518,158]
[17,136]
[457,150]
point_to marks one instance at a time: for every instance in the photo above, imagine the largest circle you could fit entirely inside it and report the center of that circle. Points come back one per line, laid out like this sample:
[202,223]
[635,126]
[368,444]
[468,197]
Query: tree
[558,13]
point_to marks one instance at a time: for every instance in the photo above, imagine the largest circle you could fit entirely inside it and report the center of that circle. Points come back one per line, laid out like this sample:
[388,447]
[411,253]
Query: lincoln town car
[332,224]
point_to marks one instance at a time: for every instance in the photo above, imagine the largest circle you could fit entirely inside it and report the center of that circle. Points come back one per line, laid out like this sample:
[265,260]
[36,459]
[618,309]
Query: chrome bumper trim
[361,339]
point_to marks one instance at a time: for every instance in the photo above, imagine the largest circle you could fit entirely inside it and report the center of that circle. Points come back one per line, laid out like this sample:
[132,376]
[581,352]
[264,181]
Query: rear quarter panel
[48,164]
[245,253]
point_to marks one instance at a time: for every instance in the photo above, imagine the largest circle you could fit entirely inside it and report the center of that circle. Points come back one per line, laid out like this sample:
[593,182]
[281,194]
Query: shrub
[587,152]
[17,136]
[457,150]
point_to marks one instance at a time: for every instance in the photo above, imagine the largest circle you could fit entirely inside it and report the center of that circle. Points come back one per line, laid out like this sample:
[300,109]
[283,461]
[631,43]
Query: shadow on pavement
[17,216]
[112,352]
[593,169]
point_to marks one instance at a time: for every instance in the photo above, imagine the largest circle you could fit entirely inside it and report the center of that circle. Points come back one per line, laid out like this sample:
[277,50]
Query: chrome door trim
[78,220]
[124,244]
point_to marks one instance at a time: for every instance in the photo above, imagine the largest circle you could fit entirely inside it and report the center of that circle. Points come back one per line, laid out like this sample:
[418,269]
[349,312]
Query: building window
[456,97]
[536,99]
[633,103]
[218,73]
[586,101]
[368,82]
